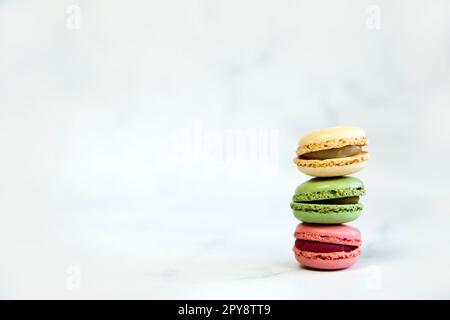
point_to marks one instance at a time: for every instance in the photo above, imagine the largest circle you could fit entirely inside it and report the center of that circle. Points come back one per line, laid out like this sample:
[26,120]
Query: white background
[120,176]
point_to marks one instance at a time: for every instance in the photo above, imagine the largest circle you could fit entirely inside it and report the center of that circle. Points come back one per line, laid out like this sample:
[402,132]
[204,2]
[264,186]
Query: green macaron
[328,200]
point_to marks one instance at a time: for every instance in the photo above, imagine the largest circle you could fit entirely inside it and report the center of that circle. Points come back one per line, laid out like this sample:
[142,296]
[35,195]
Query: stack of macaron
[330,199]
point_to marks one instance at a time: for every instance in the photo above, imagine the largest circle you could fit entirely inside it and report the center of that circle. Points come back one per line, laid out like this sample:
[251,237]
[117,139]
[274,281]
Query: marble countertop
[241,250]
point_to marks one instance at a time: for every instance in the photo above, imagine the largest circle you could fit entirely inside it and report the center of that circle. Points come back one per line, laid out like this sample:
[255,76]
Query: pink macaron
[327,247]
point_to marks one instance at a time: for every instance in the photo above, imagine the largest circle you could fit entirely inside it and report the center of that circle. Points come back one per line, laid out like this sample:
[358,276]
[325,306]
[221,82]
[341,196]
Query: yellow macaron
[332,152]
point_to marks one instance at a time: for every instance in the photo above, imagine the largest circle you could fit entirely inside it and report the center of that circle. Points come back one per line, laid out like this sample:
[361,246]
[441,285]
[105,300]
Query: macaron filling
[322,247]
[346,200]
[335,153]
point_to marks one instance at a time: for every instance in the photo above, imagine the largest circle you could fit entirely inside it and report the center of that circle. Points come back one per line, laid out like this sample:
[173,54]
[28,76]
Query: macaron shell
[324,264]
[327,218]
[331,188]
[326,208]
[328,233]
[331,133]
[339,167]
[329,138]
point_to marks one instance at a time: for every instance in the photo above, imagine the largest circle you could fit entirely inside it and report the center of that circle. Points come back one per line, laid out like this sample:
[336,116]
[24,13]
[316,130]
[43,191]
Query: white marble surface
[120,178]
